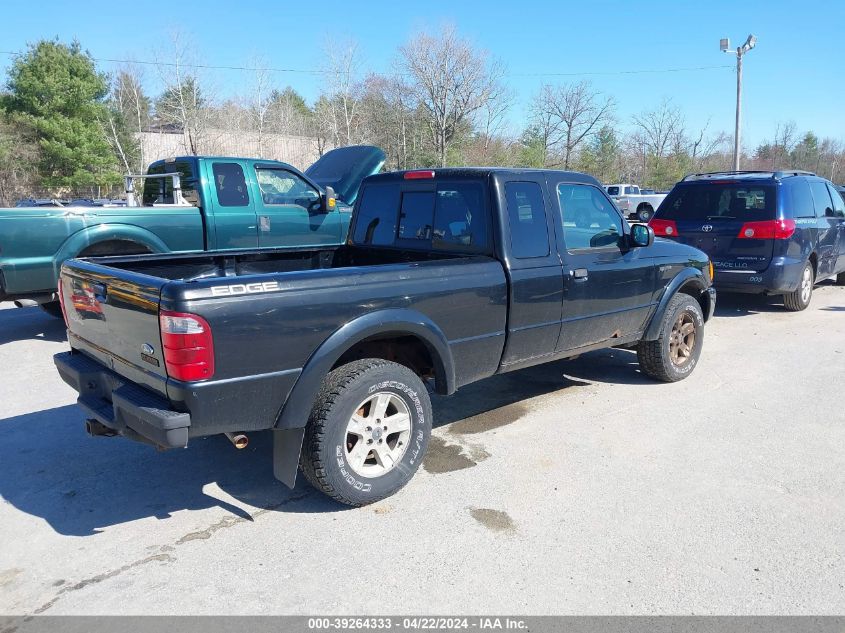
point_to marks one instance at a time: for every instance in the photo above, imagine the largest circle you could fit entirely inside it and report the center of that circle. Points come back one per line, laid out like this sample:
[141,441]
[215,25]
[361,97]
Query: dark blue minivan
[774,233]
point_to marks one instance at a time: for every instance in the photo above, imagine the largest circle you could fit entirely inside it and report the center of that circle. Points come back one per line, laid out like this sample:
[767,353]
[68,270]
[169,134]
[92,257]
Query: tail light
[62,304]
[767,230]
[666,228]
[187,346]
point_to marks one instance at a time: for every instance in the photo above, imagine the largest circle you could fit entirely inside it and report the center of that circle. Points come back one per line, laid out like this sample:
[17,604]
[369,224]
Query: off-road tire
[655,356]
[322,460]
[840,279]
[795,301]
[54,309]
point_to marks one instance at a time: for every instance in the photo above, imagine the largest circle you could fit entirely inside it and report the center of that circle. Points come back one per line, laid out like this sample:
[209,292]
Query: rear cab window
[710,201]
[529,232]
[613,191]
[160,190]
[443,215]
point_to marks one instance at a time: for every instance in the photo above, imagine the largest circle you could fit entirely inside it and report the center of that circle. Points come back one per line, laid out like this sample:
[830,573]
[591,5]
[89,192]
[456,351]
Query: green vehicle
[189,203]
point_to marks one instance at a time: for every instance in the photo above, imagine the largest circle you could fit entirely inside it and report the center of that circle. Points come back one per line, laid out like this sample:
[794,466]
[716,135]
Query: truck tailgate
[112,315]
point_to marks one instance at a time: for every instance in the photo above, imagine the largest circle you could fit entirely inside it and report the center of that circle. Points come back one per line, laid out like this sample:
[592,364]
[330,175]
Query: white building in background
[299,151]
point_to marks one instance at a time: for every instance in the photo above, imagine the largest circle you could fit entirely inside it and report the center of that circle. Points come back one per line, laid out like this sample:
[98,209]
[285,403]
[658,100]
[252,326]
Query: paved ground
[576,487]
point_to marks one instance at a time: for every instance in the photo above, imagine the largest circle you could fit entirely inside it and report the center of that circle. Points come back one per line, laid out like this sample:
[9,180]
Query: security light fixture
[725,47]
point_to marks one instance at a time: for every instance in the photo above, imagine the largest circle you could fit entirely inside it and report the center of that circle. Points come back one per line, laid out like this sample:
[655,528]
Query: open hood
[344,168]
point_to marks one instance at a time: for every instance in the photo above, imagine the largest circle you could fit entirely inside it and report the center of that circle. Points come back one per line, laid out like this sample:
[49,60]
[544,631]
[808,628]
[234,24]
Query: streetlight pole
[725,47]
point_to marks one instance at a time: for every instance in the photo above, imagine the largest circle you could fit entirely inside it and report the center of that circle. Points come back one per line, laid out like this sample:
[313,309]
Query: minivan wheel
[368,431]
[799,298]
[675,352]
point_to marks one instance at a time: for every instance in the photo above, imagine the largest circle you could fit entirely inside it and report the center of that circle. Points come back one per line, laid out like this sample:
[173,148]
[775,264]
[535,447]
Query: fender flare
[687,277]
[80,240]
[398,321]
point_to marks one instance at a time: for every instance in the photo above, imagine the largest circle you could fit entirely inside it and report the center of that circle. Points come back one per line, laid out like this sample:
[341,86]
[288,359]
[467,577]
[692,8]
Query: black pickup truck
[447,277]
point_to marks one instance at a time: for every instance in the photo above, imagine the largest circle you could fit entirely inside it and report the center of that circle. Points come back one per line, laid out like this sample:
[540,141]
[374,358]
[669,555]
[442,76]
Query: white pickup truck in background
[632,202]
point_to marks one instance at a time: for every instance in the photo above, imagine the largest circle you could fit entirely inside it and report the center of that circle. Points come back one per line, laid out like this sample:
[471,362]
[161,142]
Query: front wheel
[840,279]
[799,298]
[368,431]
[675,353]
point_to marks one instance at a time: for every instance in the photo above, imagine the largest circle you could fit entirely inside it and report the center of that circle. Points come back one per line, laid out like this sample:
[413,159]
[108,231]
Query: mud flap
[287,444]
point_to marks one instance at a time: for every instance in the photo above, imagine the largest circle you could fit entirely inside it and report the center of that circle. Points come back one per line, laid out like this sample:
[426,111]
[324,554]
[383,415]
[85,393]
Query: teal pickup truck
[190,203]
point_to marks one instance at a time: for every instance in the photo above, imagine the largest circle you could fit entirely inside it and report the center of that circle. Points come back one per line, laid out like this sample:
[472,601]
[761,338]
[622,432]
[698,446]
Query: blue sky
[795,73]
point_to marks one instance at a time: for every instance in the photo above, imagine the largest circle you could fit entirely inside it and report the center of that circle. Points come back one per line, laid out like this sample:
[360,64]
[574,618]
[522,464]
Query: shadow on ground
[19,324]
[80,485]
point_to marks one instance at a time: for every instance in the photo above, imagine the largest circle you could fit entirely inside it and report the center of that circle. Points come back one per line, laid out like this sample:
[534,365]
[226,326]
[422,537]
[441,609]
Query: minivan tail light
[665,228]
[187,346]
[767,230]
[425,174]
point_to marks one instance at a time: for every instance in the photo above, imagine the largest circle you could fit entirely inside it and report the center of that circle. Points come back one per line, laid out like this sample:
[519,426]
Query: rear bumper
[782,275]
[122,406]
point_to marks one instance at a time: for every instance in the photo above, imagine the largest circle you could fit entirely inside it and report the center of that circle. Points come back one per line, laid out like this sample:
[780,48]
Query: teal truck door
[288,209]
[232,209]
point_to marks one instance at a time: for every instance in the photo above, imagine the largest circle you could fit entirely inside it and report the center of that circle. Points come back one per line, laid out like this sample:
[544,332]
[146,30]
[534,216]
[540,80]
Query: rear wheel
[799,299]
[368,431]
[674,354]
[840,279]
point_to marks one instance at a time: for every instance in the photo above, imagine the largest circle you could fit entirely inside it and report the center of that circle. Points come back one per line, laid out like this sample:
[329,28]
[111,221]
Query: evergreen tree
[56,92]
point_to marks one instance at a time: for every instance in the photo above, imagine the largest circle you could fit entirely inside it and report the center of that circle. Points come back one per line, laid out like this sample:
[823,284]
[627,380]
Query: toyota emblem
[707,228]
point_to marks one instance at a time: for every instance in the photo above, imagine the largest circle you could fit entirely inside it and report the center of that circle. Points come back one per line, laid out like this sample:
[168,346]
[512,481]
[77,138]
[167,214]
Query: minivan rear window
[720,201]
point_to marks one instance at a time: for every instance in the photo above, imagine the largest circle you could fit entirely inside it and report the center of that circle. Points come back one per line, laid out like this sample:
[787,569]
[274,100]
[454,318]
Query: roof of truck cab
[483,172]
[173,159]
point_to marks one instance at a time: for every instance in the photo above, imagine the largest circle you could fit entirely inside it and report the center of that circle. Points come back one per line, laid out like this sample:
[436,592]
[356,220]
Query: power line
[328,72]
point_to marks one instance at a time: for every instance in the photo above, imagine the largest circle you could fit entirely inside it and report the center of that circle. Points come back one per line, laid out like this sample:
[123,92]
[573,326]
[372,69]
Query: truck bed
[269,312]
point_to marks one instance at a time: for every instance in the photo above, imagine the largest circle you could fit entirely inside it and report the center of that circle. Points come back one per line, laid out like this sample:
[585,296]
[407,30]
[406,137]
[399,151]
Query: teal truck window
[230,184]
[279,186]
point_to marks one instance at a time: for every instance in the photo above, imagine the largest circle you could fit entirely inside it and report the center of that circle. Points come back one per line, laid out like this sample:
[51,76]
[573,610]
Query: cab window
[282,187]
[589,219]
[529,232]
[230,184]
[160,190]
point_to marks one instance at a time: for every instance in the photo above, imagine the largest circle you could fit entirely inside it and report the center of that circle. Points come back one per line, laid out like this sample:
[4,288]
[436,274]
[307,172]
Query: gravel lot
[575,487]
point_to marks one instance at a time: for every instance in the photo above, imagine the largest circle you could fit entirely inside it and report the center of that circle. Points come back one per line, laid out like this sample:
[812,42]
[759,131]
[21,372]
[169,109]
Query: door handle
[579,274]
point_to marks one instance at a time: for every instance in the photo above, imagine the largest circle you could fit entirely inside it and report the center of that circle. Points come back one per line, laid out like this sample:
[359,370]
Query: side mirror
[642,235]
[328,201]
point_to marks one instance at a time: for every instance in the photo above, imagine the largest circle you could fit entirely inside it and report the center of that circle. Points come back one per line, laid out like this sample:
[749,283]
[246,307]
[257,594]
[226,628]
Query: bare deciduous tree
[659,127]
[450,80]
[571,113]
[182,103]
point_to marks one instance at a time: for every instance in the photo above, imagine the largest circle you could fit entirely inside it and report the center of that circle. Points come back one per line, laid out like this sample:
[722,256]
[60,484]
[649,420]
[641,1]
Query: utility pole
[725,47]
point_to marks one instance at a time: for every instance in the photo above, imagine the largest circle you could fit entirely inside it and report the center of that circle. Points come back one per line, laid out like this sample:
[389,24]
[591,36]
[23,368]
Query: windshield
[719,201]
